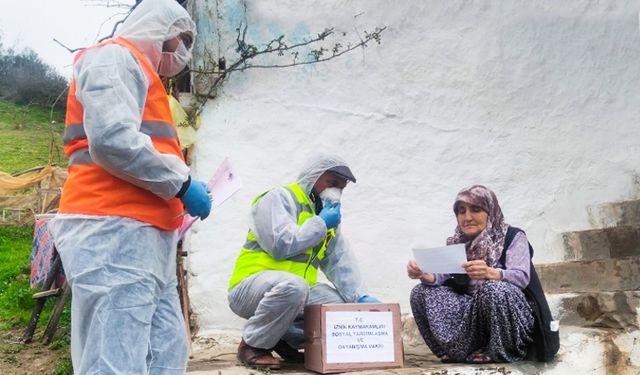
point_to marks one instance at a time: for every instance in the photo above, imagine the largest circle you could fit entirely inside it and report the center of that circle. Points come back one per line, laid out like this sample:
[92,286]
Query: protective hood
[152,23]
[315,167]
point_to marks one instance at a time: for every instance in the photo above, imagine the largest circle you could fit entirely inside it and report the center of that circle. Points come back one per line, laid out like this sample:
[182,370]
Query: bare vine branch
[115,26]
[247,52]
[111,3]
[72,50]
[278,46]
[107,4]
[54,148]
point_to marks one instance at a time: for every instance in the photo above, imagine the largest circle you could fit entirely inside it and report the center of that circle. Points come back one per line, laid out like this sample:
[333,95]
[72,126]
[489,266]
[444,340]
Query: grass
[16,303]
[15,295]
[11,349]
[63,364]
[27,134]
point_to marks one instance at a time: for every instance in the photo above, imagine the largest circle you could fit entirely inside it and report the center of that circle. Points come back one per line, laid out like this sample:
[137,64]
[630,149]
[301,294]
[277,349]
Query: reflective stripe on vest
[254,259]
[82,156]
[156,129]
[90,189]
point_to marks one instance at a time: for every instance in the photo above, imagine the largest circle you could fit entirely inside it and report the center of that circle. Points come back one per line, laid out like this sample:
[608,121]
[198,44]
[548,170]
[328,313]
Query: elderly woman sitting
[481,316]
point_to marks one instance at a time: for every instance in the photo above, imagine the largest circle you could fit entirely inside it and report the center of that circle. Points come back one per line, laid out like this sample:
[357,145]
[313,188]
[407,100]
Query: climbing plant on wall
[311,50]
[209,70]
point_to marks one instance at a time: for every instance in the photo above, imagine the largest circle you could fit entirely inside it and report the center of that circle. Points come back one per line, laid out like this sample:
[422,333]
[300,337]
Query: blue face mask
[172,63]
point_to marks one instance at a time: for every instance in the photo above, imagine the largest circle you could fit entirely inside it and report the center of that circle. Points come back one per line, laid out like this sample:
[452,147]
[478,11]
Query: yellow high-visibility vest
[254,259]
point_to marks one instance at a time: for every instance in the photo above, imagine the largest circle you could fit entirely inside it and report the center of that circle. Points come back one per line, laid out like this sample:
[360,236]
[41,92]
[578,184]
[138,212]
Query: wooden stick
[47,293]
[184,294]
[47,337]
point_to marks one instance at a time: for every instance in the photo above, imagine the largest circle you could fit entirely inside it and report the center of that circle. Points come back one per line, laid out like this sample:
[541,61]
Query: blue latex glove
[196,199]
[331,215]
[368,299]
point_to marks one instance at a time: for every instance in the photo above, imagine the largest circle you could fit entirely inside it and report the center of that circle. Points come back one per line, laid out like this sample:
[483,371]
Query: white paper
[359,336]
[224,183]
[445,259]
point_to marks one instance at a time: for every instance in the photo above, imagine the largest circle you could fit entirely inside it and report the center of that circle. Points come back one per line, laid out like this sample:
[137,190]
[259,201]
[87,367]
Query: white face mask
[172,63]
[332,195]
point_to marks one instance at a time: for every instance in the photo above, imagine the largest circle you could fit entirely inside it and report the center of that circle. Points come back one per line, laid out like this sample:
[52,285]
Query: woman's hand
[478,270]
[414,272]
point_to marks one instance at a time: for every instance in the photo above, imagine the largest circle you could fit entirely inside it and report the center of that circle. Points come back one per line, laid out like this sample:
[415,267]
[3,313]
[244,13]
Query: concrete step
[615,242]
[582,351]
[618,310]
[600,275]
[611,214]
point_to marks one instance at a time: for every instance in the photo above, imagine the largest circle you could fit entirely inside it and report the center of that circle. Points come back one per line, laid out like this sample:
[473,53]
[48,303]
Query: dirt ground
[217,356]
[17,358]
[213,357]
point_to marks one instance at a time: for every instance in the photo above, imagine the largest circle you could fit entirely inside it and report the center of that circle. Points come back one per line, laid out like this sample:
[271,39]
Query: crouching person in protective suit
[294,231]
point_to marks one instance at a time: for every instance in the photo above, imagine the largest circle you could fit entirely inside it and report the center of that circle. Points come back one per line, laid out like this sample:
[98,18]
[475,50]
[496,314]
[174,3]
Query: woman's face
[471,219]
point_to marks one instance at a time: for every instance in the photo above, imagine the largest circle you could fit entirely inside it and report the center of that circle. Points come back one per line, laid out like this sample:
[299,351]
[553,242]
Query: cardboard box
[352,336]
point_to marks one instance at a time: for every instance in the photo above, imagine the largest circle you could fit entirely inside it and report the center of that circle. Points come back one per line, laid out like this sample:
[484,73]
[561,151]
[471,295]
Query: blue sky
[76,23]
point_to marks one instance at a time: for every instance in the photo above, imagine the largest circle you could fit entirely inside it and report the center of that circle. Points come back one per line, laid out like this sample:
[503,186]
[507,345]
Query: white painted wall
[540,101]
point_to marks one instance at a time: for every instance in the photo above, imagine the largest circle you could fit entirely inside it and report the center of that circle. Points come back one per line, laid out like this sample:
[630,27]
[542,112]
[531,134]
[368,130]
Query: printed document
[445,259]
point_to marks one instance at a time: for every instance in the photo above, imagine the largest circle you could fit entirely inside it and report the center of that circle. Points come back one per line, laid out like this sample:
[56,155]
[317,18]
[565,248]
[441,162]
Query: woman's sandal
[446,359]
[479,357]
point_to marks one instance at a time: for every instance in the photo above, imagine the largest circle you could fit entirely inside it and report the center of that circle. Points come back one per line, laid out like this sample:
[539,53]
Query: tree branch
[115,26]
[67,48]
[277,45]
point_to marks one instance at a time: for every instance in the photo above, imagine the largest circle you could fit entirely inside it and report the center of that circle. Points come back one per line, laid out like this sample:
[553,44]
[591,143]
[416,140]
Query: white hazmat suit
[125,314]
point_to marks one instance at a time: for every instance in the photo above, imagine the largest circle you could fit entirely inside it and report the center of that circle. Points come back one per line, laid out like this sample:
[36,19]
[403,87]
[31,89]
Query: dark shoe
[256,357]
[479,357]
[287,353]
[446,359]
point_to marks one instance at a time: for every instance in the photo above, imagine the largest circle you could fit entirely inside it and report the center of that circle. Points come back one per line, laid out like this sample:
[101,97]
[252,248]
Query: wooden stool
[62,294]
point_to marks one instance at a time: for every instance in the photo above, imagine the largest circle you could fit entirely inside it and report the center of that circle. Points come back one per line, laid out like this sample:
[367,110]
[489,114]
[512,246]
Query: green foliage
[26,133]
[11,349]
[15,294]
[30,135]
[15,248]
[26,79]
[16,303]
[63,365]
[28,116]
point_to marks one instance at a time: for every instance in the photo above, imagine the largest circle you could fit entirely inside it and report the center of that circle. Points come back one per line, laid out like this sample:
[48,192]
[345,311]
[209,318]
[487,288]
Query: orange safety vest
[92,190]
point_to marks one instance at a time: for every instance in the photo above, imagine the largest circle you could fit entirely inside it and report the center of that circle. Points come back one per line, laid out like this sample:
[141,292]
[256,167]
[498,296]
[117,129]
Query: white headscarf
[152,23]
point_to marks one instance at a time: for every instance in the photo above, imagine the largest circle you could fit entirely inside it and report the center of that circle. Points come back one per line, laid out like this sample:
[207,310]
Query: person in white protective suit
[294,231]
[127,188]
